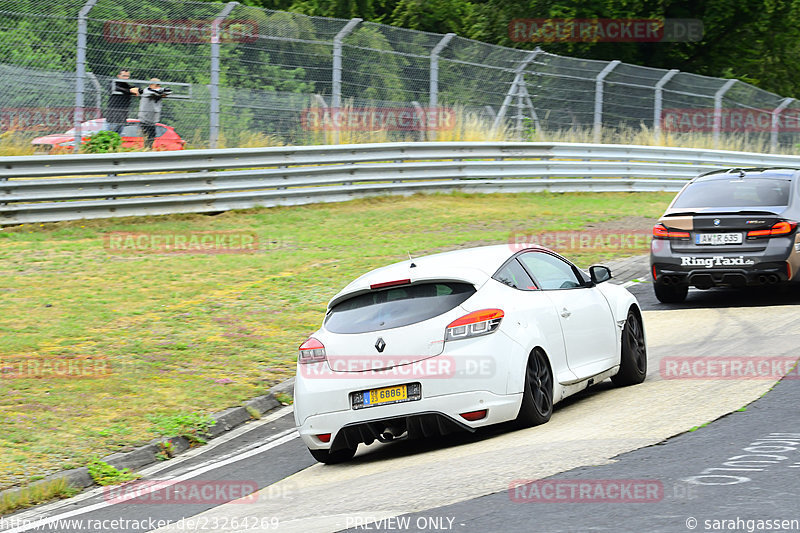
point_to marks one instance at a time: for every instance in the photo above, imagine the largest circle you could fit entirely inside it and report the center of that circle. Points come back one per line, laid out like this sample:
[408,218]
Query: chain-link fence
[240,73]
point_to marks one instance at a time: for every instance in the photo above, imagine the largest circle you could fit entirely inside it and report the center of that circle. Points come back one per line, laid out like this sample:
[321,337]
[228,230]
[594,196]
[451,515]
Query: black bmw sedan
[734,228]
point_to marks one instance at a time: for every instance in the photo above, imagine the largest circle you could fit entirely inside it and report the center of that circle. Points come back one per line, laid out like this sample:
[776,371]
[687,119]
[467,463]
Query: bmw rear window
[396,306]
[748,192]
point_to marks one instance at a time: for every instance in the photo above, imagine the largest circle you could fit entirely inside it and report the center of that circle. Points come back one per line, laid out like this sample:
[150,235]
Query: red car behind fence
[59,143]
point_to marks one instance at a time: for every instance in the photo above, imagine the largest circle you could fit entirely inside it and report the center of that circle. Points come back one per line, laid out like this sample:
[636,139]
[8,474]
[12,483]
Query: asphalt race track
[608,437]
[747,491]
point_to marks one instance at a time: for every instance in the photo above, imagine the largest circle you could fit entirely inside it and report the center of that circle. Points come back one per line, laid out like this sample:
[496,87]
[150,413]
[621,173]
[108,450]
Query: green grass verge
[183,335]
[33,495]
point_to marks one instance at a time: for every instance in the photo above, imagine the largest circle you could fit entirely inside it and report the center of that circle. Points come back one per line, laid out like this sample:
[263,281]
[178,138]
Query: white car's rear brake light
[475,324]
[312,351]
[385,284]
[473,416]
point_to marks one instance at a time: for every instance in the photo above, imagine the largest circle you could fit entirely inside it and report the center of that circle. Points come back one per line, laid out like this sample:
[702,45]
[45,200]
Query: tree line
[756,41]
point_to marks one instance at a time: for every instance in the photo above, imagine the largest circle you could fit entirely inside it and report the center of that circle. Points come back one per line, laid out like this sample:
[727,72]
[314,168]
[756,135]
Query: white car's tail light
[312,351]
[475,324]
[473,416]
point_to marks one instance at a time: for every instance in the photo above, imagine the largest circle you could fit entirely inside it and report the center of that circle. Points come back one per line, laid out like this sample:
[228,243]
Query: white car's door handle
[565,313]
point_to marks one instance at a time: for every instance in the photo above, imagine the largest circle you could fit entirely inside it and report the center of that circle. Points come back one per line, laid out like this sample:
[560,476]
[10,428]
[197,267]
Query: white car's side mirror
[599,273]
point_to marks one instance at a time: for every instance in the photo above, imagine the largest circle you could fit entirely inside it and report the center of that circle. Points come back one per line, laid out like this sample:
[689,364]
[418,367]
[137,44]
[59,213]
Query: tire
[339,456]
[537,398]
[670,294]
[633,359]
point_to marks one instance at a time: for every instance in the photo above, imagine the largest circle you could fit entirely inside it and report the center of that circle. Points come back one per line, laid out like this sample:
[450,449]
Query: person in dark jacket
[150,109]
[120,101]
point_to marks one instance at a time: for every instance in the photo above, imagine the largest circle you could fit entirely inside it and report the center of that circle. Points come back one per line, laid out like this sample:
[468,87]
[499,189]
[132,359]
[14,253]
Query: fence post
[523,90]
[336,85]
[213,87]
[773,136]
[98,99]
[520,103]
[518,76]
[598,98]
[433,98]
[659,102]
[420,113]
[718,109]
[80,72]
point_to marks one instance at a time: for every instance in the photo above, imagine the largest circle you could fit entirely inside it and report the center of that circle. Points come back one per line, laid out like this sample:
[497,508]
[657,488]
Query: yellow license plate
[398,393]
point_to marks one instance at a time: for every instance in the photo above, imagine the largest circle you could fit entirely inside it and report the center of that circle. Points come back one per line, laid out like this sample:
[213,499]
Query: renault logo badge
[380,345]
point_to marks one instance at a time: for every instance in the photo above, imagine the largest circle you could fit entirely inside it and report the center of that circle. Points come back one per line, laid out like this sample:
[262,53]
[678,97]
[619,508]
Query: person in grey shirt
[150,109]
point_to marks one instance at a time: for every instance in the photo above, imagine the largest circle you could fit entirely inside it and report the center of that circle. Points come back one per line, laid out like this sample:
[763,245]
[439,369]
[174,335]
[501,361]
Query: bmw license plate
[398,393]
[716,239]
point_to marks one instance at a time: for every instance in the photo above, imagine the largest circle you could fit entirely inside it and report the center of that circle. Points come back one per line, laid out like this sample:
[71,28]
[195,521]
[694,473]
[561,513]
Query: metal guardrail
[69,187]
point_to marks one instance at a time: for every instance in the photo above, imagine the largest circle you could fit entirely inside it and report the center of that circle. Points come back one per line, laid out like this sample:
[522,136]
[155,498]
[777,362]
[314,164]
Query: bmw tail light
[312,351]
[475,324]
[660,231]
[784,227]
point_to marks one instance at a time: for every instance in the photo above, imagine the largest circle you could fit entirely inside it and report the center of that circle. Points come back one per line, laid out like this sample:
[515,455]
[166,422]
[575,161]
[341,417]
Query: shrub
[103,142]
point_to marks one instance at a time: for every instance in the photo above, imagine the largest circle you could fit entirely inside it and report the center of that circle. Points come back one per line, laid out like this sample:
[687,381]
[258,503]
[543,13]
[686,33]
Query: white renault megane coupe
[459,340]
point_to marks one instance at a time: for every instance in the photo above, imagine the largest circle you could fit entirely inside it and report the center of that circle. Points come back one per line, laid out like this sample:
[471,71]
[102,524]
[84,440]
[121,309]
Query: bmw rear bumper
[704,268]
[765,274]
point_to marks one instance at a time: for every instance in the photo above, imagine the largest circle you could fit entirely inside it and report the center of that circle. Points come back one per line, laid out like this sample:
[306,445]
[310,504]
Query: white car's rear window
[396,306]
